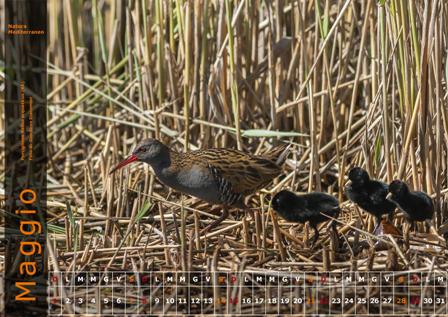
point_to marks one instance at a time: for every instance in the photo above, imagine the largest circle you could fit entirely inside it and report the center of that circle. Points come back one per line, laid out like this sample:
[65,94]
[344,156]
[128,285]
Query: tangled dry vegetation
[346,82]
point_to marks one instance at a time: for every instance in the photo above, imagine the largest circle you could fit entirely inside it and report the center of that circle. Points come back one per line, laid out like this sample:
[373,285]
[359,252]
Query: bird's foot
[205,231]
[215,223]
[208,228]
[211,226]
[314,246]
[314,243]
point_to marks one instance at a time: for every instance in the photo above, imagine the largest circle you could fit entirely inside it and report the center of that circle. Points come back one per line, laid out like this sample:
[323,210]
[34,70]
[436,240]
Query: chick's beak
[129,160]
[389,196]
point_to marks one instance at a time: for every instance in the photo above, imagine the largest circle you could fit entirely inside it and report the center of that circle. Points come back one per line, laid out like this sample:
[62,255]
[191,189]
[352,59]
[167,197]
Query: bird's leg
[316,234]
[412,228]
[377,223]
[390,216]
[334,223]
[221,218]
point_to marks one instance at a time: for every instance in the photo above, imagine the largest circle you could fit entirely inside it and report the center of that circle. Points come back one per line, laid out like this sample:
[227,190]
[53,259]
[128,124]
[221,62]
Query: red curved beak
[129,160]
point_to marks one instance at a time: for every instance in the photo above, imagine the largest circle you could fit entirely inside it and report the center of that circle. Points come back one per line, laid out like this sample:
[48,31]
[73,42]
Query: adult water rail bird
[218,176]
[369,194]
[310,207]
[415,205]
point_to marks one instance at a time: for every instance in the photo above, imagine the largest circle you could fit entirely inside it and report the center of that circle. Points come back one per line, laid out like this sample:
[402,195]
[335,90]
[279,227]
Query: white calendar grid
[248,293]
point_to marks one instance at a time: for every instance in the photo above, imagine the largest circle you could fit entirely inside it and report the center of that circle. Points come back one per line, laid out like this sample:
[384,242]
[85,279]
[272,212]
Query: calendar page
[223,158]
[248,293]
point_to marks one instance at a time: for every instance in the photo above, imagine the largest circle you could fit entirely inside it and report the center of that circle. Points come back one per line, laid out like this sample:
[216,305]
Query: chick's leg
[390,216]
[334,223]
[316,234]
[377,223]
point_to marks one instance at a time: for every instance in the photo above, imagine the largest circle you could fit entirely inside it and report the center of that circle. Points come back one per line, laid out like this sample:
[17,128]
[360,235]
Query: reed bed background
[348,83]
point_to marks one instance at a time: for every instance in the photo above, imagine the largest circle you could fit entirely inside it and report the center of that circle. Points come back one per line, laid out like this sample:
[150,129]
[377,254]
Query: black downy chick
[307,207]
[415,205]
[369,194]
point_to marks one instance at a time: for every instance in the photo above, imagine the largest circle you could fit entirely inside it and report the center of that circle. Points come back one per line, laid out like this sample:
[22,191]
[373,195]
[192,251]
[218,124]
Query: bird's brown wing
[245,173]
[277,154]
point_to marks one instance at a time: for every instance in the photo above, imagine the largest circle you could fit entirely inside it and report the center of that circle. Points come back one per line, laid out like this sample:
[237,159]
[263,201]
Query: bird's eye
[142,150]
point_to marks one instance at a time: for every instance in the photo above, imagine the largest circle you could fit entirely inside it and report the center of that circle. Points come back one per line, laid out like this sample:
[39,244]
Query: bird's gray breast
[195,181]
